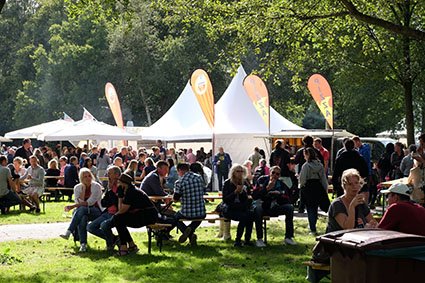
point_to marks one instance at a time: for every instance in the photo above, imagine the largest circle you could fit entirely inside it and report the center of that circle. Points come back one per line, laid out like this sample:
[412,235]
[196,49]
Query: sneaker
[260,244]
[83,248]
[193,240]
[226,238]
[185,234]
[248,244]
[290,241]
[237,244]
[66,235]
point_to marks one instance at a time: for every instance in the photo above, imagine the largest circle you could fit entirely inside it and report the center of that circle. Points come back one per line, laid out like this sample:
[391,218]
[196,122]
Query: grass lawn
[212,261]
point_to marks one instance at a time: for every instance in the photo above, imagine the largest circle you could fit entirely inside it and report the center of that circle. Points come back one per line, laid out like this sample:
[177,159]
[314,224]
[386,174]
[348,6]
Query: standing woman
[235,197]
[396,158]
[102,162]
[135,209]
[87,194]
[314,187]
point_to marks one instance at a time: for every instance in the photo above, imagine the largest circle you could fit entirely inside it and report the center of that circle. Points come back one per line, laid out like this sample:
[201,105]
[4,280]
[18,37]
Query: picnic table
[388,184]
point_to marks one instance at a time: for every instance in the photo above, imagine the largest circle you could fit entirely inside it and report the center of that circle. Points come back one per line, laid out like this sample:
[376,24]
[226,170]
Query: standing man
[189,190]
[24,151]
[255,158]
[323,151]
[364,150]
[222,163]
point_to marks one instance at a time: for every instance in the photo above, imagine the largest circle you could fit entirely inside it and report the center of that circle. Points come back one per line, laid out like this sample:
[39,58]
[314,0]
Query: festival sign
[322,94]
[201,86]
[114,104]
[257,92]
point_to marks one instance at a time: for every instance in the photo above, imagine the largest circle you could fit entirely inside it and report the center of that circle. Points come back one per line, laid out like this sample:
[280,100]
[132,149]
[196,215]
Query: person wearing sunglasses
[272,198]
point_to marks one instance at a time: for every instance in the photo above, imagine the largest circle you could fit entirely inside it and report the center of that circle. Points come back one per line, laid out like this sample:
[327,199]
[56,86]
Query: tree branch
[2,2]
[398,29]
[318,17]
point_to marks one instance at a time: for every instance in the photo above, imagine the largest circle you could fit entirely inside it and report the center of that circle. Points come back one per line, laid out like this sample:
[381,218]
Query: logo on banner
[322,94]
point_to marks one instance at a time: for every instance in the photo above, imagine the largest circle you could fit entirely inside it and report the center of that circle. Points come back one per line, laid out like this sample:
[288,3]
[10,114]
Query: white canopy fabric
[184,121]
[42,129]
[89,130]
[3,139]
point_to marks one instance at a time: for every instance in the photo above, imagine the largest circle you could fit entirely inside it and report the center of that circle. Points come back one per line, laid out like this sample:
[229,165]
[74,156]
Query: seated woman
[134,210]
[172,174]
[87,196]
[235,196]
[350,210]
[35,176]
[149,167]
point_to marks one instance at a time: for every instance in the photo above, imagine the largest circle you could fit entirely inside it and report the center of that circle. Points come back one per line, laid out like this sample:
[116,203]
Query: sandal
[122,252]
[133,249]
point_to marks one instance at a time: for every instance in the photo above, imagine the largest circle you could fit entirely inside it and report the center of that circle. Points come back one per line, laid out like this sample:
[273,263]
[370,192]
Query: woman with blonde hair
[87,194]
[350,210]
[237,204]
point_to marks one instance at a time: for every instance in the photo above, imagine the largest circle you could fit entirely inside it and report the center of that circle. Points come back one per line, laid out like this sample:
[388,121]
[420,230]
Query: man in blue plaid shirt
[189,189]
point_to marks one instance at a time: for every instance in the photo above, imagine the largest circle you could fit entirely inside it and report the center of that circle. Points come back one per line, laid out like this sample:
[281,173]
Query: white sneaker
[290,241]
[260,244]
[83,248]
[66,235]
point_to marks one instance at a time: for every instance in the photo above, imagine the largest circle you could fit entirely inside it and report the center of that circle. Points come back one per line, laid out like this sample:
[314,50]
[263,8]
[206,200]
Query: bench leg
[265,230]
[149,240]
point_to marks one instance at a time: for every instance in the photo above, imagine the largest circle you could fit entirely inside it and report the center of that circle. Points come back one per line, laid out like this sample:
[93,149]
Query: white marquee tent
[236,121]
[89,130]
[34,131]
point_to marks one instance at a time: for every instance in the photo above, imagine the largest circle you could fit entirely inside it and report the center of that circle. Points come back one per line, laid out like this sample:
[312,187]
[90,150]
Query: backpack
[260,171]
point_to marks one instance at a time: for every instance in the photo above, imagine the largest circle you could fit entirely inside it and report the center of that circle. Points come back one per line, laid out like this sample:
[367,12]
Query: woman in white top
[87,194]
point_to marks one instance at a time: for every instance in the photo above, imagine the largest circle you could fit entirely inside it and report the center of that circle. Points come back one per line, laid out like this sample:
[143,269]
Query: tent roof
[183,121]
[89,130]
[34,131]
[235,112]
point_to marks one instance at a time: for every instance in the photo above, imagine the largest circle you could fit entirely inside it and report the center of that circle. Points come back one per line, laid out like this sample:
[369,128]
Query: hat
[125,178]
[399,188]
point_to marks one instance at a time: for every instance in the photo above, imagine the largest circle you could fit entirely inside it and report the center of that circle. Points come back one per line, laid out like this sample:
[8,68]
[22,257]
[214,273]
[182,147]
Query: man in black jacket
[102,225]
[350,158]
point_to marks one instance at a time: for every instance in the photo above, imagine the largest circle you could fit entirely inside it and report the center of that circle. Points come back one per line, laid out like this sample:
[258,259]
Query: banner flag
[257,92]
[201,86]
[114,104]
[66,117]
[322,94]
[87,115]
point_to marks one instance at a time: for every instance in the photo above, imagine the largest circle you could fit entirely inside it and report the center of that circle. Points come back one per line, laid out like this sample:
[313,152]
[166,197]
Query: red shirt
[404,216]
[325,153]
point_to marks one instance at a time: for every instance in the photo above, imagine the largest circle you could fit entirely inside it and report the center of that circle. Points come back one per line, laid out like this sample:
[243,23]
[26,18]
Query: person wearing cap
[135,210]
[402,215]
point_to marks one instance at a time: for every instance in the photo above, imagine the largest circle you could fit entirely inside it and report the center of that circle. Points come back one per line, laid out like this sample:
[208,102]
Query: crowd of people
[250,191]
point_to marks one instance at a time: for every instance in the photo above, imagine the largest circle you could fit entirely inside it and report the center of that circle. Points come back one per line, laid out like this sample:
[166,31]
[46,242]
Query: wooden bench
[53,190]
[156,230]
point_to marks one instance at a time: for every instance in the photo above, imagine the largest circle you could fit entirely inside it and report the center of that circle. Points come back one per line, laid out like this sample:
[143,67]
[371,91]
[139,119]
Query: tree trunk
[148,114]
[423,119]
[408,79]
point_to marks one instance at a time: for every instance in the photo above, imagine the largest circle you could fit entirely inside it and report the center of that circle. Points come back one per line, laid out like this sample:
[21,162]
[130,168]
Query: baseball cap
[399,188]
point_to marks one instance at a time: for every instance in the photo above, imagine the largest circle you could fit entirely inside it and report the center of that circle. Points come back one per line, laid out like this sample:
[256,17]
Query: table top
[388,184]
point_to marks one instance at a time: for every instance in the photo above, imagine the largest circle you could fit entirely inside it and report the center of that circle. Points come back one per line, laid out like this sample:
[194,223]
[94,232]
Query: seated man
[35,174]
[272,198]
[402,214]
[8,197]
[102,225]
[153,183]
[189,190]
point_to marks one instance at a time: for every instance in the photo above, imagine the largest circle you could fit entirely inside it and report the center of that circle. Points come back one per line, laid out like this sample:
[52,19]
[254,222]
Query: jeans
[82,215]
[246,221]
[182,227]
[222,176]
[312,216]
[283,209]
[102,227]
